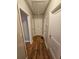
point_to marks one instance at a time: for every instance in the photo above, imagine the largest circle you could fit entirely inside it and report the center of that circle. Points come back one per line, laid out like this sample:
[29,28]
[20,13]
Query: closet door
[55,33]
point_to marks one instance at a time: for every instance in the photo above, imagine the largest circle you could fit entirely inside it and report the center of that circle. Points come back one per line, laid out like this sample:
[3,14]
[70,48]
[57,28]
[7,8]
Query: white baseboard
[26,58]
[55,41]
[46,45]
[26,41]
[52,53]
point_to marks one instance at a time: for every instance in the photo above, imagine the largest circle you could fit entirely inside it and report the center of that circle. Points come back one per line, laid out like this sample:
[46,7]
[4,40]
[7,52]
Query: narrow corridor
[39,29]
[38,50]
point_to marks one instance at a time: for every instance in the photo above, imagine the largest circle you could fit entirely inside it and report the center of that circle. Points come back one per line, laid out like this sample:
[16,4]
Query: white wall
[33,26]
[20,37]
[53,41]
[45,28]
[23,5]
[20,42]
[38,23]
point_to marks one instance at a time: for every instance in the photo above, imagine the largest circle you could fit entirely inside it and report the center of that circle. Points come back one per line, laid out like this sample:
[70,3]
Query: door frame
[29,26]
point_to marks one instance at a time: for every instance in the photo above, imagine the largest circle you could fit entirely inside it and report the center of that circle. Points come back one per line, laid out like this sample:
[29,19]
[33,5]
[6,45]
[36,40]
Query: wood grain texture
[38,50]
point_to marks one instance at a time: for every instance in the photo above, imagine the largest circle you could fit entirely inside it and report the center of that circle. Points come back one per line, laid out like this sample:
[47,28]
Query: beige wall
[53,21]
[45,28]
[38,23]
[20,42]
[33,26]
[20,33]
[22,4]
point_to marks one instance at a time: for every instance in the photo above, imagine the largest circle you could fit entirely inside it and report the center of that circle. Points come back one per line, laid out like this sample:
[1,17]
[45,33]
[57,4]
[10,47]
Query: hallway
[37,50]
[39,29]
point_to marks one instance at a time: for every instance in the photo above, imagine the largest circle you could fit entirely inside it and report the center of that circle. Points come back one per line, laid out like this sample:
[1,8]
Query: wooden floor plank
[37,50]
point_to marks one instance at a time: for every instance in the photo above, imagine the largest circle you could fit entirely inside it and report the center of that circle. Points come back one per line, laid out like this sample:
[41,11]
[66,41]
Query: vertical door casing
[21,48]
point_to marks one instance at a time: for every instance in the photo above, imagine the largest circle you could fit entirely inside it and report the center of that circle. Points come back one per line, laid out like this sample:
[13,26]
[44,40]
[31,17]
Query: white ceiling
[38,6]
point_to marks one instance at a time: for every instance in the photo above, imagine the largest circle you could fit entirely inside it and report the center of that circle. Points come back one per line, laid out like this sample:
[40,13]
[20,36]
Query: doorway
[24,19]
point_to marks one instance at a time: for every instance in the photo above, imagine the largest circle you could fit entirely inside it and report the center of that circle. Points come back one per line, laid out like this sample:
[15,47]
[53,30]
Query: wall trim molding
[57,8]
[52,53]
[46,45]
[55,41]
[26,41]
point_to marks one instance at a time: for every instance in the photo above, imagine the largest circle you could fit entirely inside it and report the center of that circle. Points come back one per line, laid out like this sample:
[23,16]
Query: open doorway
[24,18]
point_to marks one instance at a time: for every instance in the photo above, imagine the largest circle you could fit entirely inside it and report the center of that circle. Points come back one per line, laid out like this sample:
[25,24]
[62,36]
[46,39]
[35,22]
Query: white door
[55,32]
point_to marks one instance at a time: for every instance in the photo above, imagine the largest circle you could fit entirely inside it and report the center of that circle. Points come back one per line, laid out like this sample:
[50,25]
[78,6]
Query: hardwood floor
[37,50]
